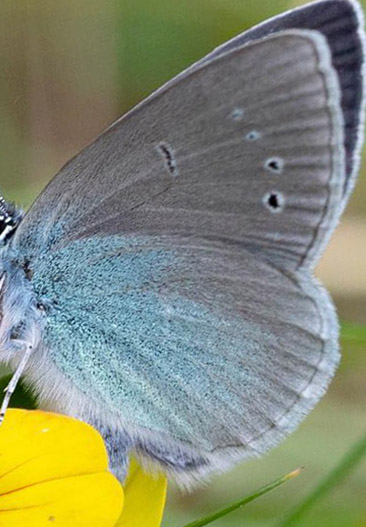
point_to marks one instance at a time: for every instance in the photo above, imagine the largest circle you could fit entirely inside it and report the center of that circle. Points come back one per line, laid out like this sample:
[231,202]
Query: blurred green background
[70,68]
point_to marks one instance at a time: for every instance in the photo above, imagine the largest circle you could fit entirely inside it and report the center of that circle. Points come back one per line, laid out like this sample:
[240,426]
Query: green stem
[236,505]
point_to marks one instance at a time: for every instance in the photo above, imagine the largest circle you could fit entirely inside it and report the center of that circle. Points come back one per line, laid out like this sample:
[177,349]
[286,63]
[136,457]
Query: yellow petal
[54,471]
[36,446]
[78,501]
[144,498]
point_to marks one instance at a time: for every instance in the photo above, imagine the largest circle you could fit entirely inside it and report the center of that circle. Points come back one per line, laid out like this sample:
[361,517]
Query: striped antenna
[10,218]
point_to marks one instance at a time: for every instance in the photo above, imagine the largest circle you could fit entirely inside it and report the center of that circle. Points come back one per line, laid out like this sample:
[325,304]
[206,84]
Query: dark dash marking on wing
[168,155]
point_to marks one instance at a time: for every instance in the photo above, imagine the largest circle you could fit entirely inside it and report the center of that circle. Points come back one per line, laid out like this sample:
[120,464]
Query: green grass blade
[238,504]
[339,473]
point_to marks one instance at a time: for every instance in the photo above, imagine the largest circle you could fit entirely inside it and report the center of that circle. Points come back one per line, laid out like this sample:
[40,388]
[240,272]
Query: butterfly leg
[9,390]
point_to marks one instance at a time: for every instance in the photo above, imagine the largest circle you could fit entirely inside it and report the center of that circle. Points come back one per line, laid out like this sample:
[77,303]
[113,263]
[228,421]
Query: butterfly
[161,286]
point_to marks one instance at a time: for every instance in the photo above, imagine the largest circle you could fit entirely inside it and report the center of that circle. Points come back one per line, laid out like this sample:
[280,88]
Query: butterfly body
[162,283]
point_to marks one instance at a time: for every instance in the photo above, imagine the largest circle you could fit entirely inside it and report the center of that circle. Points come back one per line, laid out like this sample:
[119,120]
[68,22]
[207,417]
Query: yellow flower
[54,471]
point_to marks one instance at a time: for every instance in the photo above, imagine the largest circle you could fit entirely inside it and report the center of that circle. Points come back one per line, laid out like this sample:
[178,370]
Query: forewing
[247,149]
[339,21]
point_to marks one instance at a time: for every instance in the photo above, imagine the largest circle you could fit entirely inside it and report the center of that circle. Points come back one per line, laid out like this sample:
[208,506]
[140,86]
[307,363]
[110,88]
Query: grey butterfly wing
[178,246]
